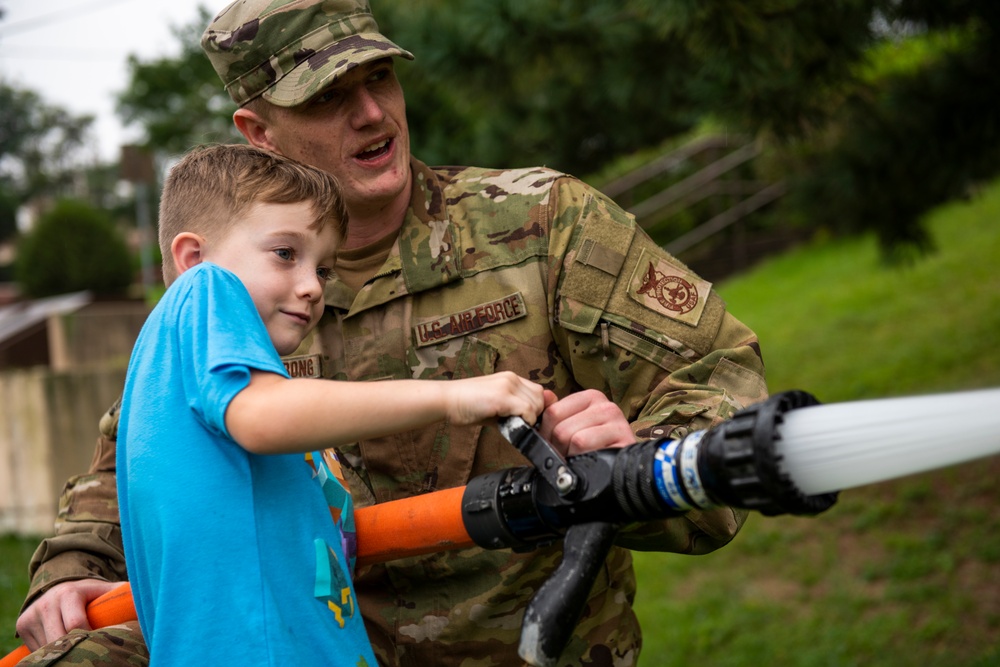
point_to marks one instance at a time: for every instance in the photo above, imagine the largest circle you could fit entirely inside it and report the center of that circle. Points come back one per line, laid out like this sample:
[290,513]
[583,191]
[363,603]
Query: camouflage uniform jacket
[530,271]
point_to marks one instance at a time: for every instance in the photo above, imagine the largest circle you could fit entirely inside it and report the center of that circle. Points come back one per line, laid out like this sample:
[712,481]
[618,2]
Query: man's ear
[254,129]
[187,250]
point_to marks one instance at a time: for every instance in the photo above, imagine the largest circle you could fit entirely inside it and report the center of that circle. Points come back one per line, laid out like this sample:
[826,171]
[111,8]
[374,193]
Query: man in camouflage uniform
[446,273]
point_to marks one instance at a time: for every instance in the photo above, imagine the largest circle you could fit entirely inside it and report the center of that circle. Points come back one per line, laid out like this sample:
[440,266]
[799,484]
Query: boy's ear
[187,249]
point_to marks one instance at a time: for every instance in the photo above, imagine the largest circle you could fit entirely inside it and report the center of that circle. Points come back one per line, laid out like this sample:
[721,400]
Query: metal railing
[719,158]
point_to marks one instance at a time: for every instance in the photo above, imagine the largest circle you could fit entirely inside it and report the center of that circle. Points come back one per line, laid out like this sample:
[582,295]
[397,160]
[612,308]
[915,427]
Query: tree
[914,131]
[571,85]
[40,144]
[73,247]
[575,85]
[178,101]
[8,213]
[508,83]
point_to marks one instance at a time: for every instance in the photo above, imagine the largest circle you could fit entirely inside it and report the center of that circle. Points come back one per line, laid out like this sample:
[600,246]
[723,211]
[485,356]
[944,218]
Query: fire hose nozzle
[734,463]
[739,464]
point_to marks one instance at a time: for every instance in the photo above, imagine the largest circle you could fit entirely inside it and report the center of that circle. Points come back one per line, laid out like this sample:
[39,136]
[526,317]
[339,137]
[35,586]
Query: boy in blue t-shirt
[212,469]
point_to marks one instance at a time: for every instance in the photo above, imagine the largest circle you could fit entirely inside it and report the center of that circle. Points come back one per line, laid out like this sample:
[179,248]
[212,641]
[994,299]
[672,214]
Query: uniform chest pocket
[454,359]
[439,456]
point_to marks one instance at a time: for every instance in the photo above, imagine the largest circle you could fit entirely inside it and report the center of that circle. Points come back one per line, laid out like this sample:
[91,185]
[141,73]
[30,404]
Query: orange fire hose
[414,526]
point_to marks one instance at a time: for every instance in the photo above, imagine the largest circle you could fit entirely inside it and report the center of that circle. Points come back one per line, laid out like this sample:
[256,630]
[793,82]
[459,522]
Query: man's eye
[325,97]
[324,273]
[284,253]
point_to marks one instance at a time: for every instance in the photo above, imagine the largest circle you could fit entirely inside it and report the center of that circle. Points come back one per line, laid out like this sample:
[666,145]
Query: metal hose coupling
[734,463]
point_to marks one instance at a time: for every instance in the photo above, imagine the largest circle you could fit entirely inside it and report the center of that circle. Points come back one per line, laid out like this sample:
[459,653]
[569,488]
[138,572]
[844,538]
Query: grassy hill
[901,573]
[898,573]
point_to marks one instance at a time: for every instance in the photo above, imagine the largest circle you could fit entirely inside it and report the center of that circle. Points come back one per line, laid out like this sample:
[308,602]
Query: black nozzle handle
[550,463]
[555,609]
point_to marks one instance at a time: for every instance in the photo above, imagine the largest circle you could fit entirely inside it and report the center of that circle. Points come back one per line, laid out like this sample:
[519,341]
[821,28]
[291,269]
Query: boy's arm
[317,414]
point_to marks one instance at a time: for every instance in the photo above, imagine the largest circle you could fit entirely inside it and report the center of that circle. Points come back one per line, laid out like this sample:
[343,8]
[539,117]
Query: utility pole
[137,168]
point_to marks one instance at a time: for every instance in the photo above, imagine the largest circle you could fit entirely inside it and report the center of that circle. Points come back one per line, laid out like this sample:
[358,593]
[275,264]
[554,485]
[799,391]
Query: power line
[57,16]
[34,52]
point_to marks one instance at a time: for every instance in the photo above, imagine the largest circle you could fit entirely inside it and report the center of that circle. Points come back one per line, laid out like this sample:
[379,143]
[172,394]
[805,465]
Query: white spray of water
[840,446]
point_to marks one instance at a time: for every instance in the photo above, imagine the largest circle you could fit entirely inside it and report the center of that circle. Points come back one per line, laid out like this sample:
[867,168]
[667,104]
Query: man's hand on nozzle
[584,422]
[60,609]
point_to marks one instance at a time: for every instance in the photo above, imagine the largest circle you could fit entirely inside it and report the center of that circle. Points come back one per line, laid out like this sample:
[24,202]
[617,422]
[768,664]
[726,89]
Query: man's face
[284,262]
[355,129]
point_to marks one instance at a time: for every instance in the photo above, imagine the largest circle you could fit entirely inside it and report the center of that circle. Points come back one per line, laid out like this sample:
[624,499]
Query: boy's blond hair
[213,186]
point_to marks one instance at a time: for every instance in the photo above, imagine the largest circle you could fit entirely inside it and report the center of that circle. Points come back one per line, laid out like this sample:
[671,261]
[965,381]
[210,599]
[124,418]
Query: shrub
[73,247]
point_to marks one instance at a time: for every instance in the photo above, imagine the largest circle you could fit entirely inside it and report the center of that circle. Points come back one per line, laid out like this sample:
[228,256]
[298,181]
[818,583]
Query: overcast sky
[73,52]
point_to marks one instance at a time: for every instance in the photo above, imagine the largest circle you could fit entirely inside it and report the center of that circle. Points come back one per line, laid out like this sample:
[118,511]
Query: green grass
[14,555]
[902,573]
[834,321]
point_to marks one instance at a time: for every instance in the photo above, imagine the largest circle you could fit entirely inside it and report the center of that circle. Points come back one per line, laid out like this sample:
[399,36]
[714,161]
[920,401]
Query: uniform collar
[426,253]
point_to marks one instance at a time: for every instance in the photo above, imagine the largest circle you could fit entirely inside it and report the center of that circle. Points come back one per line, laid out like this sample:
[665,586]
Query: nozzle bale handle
[555,608]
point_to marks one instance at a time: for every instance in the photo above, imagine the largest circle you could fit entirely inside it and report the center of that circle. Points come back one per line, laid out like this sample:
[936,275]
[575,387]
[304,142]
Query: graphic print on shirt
[333,574]
[329,474]
[332,584]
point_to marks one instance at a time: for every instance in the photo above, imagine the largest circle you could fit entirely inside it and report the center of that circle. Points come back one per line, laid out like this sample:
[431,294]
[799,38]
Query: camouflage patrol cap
[289,50]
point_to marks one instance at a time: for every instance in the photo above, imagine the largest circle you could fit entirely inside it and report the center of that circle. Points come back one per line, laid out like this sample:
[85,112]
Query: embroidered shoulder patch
[303,366]
[668,289]
[483,316]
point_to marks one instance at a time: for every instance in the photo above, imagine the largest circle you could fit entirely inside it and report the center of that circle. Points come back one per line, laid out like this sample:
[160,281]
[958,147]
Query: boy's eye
[324,273]
[284,253]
